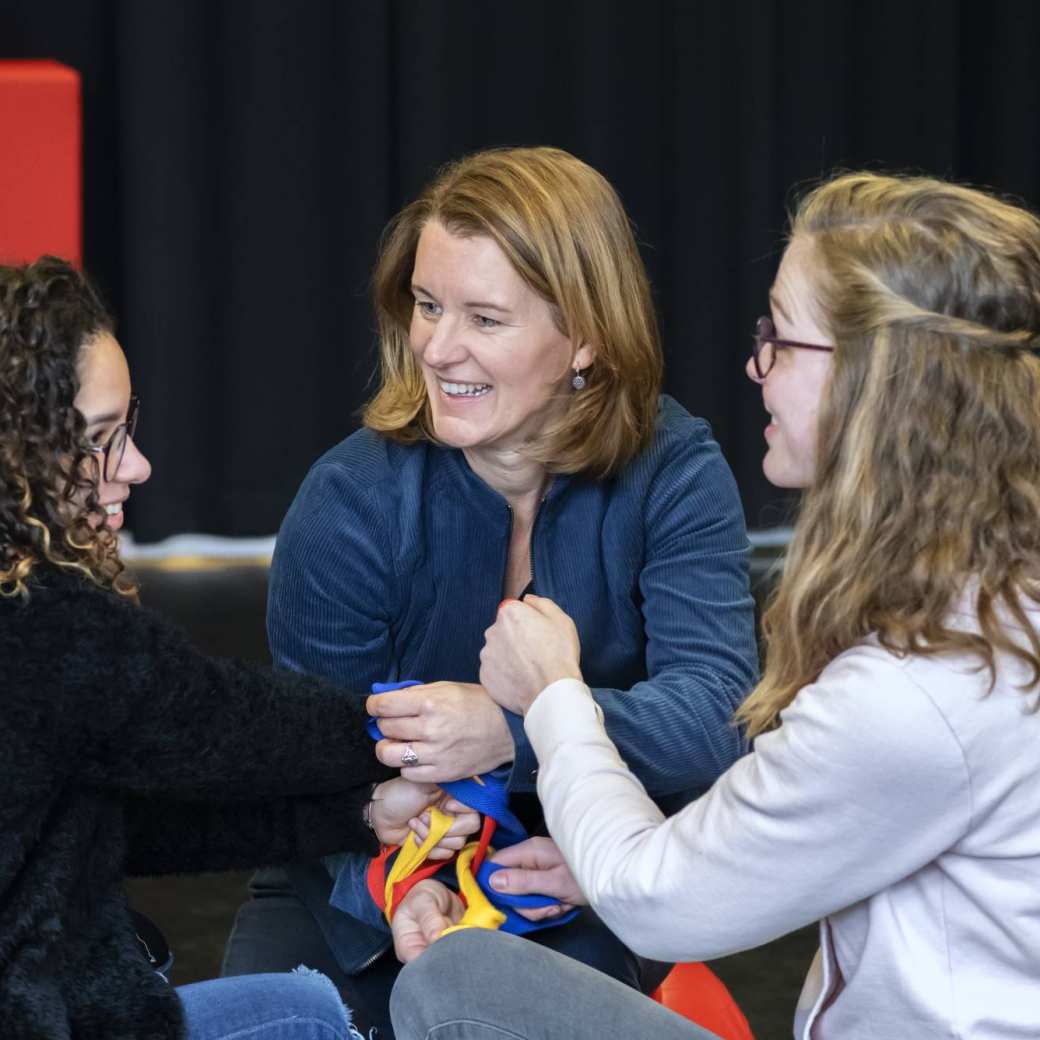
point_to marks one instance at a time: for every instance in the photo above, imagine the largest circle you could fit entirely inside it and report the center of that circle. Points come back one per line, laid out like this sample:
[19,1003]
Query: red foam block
[41,197]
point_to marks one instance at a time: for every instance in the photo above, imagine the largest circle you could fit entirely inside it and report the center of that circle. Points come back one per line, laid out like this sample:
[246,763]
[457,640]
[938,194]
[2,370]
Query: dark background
[242,157]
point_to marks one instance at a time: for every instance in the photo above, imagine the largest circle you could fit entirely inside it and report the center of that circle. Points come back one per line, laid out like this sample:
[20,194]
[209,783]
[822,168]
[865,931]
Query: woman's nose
[443,345]
[135,467]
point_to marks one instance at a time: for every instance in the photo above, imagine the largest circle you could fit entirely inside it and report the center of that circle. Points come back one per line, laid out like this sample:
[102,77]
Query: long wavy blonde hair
[927,481]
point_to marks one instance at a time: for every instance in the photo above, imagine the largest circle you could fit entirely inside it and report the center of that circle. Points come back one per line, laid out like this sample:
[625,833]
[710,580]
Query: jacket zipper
[534,528]
[371,960]
[530,541]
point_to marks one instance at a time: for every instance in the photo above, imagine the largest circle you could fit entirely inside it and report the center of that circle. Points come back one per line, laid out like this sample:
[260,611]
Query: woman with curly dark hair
[123,749]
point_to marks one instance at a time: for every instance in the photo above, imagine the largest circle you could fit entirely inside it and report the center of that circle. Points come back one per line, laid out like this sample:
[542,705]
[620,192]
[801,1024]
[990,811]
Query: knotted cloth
[396,870]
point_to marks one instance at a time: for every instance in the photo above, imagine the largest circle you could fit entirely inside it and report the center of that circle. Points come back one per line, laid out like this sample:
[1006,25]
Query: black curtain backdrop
[242,157]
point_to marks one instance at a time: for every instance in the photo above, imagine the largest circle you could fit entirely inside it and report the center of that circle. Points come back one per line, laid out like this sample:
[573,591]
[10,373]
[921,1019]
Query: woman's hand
[538,866]
[531,644]
[453,729]
[466,824]
[424,913]
[399,806]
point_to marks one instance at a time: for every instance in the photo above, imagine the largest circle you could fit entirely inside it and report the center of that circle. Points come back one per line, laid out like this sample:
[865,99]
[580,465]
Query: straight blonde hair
[926,495]
[563,229]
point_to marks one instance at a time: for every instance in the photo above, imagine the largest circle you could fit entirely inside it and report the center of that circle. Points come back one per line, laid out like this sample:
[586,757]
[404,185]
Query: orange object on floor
[40,181]
[697,993]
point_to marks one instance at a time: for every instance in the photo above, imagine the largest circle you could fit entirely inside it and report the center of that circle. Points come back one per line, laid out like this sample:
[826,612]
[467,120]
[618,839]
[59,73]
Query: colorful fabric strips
[393,872]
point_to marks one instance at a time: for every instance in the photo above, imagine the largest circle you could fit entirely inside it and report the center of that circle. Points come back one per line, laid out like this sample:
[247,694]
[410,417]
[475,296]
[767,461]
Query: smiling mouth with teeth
[112,510]
[465,389]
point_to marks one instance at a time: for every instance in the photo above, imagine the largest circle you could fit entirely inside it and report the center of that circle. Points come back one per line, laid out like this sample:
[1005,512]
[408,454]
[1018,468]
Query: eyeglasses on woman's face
[113,450]
[765,345]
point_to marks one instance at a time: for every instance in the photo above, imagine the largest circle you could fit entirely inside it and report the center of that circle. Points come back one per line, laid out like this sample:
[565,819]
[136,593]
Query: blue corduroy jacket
[391,561]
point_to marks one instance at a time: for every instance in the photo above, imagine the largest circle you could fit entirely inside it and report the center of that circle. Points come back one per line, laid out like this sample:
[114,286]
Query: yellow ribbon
[413,855]
[480,912]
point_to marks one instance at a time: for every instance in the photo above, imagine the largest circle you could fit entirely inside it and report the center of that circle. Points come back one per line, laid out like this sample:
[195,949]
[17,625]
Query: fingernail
[499,882]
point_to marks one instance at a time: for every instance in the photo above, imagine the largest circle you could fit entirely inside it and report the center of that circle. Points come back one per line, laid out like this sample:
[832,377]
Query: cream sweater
[898,804]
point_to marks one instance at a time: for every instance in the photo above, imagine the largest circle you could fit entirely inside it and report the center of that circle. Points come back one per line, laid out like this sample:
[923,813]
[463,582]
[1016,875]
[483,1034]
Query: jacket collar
[482,495]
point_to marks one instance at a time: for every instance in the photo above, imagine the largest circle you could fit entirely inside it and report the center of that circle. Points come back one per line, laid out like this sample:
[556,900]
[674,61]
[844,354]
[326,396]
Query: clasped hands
[450,730]
[444,731]
[535,865]
[453,730]
[459,729]
[399,806]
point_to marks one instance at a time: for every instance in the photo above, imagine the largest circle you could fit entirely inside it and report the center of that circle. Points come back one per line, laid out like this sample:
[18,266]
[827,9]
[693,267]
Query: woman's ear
[584,357]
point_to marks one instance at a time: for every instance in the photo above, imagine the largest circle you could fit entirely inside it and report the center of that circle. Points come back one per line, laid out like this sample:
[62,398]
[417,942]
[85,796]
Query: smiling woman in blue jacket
[518,441]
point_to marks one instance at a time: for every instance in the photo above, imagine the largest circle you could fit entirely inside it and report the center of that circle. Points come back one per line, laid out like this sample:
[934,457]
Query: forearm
[675,731]
[202,729]
[788,835]
[185,837]
[577,783]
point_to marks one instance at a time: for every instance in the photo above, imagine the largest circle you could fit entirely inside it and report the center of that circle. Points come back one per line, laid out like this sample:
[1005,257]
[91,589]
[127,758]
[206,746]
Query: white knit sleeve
[861,785]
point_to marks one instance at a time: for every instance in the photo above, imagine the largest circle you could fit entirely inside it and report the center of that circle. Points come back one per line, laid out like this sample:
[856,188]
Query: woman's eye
[483,322]
[428,308]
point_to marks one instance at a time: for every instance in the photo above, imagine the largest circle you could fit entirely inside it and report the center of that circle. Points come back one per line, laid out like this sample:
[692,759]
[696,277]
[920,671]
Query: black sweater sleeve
[174,837]
[149,715]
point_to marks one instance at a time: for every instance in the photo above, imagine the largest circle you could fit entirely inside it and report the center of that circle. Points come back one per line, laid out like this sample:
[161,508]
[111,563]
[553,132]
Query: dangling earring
[579,381]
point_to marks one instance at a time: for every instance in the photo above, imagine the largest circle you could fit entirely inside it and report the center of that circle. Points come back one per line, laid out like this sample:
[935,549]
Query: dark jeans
[274,932]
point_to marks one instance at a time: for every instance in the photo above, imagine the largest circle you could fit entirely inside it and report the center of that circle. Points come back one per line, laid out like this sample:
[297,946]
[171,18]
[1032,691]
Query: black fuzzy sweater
[124,750]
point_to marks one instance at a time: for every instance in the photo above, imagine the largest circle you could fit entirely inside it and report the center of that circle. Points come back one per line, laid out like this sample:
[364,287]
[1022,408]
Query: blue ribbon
[490,797]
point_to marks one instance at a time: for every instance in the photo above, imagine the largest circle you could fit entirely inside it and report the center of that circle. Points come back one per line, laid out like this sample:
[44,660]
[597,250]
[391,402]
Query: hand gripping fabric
[394,872]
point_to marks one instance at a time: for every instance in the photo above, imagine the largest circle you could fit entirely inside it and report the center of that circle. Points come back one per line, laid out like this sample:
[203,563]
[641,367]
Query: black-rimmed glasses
[765,344]
[113,450]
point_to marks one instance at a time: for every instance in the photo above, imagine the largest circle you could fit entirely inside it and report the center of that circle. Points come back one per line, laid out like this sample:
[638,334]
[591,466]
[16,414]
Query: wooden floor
[223,609]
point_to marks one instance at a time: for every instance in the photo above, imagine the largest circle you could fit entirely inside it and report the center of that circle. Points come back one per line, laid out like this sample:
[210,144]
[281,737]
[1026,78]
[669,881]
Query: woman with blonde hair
[517,441]
[892,791]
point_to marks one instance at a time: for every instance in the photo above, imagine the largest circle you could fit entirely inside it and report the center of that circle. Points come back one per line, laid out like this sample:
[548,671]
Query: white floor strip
[196,545]
[770,538]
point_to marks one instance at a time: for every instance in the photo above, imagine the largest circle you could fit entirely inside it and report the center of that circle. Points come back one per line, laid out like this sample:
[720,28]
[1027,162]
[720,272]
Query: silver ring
[408,756]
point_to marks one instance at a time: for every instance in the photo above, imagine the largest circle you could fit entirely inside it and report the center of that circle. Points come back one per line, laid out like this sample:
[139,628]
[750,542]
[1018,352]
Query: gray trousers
[481,985]
[275,932]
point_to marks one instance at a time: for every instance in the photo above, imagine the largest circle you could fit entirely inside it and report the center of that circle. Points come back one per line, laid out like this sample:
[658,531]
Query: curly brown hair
[48,475]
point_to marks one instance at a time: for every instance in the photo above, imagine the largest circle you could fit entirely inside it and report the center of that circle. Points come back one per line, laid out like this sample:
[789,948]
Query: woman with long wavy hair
[123,749]
[893,791]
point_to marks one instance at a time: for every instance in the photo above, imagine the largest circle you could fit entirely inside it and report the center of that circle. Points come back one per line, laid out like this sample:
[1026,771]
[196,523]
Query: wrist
[506,742]
[369,805]
[552,677]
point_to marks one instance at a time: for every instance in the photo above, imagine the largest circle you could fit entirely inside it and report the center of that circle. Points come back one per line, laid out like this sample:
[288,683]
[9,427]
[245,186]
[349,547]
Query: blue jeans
[301,1005]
